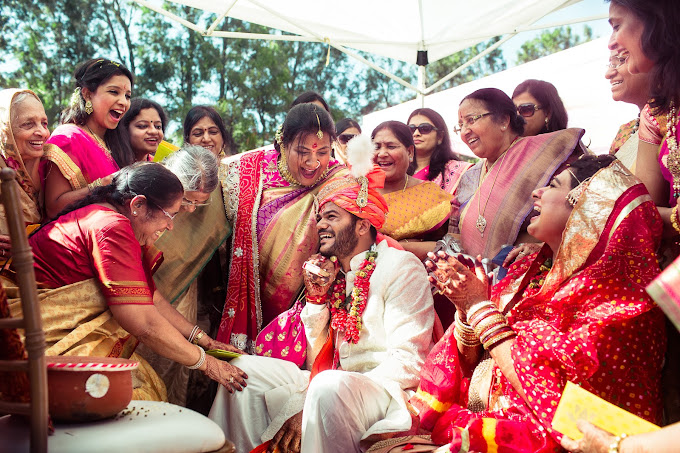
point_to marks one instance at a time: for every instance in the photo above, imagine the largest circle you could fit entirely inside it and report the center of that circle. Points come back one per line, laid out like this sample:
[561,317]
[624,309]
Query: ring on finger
[231,380]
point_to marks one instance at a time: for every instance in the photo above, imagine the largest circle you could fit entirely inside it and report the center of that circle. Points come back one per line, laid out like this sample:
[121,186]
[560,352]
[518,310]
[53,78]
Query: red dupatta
[586,324]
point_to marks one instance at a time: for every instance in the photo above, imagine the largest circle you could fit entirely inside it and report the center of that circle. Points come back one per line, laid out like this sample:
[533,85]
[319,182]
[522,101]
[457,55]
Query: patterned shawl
[274,232]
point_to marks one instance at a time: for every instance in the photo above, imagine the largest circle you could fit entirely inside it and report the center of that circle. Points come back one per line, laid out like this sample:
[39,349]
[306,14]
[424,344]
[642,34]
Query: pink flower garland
[341,319]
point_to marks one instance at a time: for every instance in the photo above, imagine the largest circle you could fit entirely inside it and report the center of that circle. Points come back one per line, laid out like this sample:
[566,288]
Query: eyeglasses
[197,204]
[469,120]
[617,61]
[423,128]
[167,214]
[344,138]
[528,110]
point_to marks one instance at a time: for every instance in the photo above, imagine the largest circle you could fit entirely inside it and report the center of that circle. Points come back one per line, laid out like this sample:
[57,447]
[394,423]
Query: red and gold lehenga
[86,261]
[586,320]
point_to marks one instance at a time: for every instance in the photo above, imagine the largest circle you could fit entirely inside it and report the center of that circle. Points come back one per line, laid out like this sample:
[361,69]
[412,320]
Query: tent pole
[174,17]
[422,76]
[214,25]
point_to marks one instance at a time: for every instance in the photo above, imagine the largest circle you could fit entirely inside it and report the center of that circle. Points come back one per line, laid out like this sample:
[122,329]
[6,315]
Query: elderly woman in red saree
[418,210]
[97,260]
[574,311]
[269,200]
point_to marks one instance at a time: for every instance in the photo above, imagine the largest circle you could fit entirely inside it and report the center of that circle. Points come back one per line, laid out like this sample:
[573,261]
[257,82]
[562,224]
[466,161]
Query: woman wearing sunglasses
[633,89]
[492,206]
[435,160]
[346,129]
[541,107]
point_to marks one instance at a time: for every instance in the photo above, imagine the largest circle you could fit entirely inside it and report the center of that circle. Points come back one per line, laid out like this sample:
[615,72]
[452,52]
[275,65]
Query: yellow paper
[164,150]
[579,404]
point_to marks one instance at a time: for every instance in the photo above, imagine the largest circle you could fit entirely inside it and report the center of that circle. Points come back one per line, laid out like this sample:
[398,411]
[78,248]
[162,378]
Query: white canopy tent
[578,75]
[414,31]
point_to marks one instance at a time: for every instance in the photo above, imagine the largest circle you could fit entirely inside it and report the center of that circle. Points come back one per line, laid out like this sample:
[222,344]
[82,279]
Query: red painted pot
[84,389]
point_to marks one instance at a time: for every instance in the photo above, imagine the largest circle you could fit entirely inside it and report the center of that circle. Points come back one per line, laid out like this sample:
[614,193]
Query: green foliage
[551,41]
[487,65]
[251,82]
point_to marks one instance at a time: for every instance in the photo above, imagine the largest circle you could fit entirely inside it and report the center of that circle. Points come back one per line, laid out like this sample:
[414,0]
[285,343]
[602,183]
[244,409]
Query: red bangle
[316,300]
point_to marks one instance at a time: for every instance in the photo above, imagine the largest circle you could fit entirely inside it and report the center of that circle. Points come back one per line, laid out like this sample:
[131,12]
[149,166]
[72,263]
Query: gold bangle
[94,184]
[674,219]
[198,337]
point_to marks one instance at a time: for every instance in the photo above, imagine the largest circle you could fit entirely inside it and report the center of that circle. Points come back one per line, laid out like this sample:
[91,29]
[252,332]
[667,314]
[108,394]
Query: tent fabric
[578,75]
[394,28]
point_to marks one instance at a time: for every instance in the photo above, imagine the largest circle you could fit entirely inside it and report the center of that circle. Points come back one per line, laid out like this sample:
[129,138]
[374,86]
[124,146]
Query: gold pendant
[481,224]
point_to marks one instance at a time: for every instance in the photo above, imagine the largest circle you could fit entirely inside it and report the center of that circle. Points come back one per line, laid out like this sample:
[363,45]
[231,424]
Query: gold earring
[546,121]
[134,212]
[88,107]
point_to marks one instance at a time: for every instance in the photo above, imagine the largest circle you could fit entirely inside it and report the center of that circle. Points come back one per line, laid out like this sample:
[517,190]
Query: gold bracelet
[94,184]
[198,337]
[674,219]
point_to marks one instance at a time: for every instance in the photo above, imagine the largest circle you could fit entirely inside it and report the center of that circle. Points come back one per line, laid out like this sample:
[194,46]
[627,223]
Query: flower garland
[349,321]
[539,278]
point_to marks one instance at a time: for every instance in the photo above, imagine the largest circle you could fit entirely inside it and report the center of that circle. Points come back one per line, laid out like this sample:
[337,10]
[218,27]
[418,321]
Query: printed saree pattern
[273,234]
[586,324]
[416,211]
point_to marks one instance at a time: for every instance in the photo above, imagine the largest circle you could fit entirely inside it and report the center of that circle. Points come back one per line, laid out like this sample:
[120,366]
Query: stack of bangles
[196,335]
[489,324]
[201,360]
[464,333]
[675,220]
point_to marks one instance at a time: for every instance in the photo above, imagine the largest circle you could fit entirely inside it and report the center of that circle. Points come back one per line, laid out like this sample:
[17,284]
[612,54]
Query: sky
[585,8]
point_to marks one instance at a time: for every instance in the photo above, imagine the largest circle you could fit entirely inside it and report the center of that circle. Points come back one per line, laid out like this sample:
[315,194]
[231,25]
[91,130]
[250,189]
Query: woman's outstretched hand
[463,281]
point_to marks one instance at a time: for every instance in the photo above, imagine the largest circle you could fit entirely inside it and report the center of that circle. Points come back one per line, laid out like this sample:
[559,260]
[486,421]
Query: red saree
[590,323]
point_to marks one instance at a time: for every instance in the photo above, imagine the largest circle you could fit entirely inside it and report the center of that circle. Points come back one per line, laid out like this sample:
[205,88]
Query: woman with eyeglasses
[97,259]
[434,160]
[190,291]
[346,129]
[541,107]
[418,210]
[632,89]
[492,206]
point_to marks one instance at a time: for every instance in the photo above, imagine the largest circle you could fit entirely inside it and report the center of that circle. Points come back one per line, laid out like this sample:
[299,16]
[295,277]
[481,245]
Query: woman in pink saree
[78,153]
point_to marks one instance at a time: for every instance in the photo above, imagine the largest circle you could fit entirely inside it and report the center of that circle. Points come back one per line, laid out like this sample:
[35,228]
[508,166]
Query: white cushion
[143,426]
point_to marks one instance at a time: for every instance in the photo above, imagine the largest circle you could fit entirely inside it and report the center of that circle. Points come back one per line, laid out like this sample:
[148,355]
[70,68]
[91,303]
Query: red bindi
[314,145]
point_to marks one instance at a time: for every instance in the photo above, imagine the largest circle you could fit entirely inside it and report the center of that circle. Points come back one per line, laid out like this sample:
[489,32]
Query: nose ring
[318,164]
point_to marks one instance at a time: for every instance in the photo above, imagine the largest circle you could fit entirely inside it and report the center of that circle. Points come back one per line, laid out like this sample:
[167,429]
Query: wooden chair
[31,321]
[142,426]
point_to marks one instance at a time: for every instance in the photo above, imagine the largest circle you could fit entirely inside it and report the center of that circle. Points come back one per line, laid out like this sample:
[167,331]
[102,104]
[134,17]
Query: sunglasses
[423,128]
[344,138]
[528,110]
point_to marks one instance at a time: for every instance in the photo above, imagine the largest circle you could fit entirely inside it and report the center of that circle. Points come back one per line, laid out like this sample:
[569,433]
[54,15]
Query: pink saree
[448,179]
[77,156]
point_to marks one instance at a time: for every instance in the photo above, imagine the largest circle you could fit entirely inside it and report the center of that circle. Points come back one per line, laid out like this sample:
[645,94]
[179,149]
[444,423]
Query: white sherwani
[378,375]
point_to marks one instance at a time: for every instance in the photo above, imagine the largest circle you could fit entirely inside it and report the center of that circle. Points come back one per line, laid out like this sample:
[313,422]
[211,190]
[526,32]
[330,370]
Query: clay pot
[84,389]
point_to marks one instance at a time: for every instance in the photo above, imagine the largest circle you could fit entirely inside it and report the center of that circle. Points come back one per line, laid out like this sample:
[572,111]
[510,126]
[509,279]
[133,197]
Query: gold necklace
[282,166]
[673,160]
[481,220]
[99,141]
[405,184]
